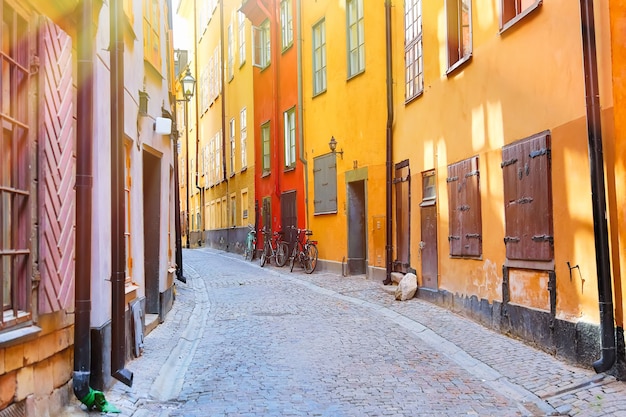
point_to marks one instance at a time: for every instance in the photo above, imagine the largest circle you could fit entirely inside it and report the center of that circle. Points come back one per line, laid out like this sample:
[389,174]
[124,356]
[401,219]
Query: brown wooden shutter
[56,170]
[528,199]
[454,215]
[465,235]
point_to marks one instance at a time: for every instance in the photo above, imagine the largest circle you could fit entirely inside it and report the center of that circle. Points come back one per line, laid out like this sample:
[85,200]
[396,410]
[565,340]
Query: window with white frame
[265,147]
[231,53]
[232,146]
[241,39]
[356,37]
[319,57]
[261,42]
[459,17]
[243,131]
[514,10]
[218,158]
[15,183]
[413,54]
[286,23]
[290,137]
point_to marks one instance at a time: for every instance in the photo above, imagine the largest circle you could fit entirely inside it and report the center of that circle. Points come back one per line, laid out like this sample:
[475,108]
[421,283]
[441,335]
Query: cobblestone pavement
[248,341]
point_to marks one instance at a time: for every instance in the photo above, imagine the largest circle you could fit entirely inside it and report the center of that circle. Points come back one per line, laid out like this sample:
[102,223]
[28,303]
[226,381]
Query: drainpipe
[301,111]
[200,226]
[389,157]
[598,197]
[118,255]
[224,170]
[84,185]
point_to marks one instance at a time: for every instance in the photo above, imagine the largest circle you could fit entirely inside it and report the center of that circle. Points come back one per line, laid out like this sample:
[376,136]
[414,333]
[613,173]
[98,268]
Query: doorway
[288,217]
[151,228]
[357,252]
[402,181]
[428,243]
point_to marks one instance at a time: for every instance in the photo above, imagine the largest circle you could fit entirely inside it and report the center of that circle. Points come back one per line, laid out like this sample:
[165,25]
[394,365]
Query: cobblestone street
[248,341]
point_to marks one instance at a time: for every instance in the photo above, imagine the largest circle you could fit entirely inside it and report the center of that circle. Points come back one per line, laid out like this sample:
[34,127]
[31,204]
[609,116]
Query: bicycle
[304,251]
[274,247]
[249,249]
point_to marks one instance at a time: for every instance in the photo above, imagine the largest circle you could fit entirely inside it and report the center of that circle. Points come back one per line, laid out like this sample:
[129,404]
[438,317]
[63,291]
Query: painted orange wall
[518,83]
[354,112]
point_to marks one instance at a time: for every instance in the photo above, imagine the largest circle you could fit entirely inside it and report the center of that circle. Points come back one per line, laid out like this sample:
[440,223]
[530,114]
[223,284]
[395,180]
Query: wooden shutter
[56,169]
[325,184]
[528,199]
[464,210]
[402,181]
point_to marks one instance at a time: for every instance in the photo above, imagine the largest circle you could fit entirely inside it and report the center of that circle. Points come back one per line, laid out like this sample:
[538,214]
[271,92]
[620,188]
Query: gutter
[195,64]
[118,254]
[84,186]
[598,197]
[389,147]
[301,111]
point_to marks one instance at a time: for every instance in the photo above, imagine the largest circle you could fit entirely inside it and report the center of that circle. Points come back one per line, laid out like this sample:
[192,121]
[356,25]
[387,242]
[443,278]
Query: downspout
[179,243]
[84,185]
[389,147]
[118,255]
[275,52]
[223,107]
[301,111]
[195,64]
[598,197]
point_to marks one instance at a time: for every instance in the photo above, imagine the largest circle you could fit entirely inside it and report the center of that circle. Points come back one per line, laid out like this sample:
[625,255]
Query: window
[261,42]
[231,53]
[290,138]
[514,10]
[356,37]
[151,33]
[15,183]
[266,212]
[319,57]
[265,147]
[218,173]
[429,192]
[232,146]
[325,184]
[233,209]
[286,23]
[242,37]
[527,175]
[413,56]
[464,213]
[128,201]
[459,15]
[244,206]
[243,130]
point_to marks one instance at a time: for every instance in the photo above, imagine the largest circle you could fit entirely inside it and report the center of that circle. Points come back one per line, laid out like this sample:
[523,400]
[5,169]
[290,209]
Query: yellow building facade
[221,147]
[491,128]
[343,84]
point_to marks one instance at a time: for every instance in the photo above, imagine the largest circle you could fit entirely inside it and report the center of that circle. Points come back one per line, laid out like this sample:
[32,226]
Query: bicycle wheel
[281,253]
[292,258]
[264,254]
[310,261]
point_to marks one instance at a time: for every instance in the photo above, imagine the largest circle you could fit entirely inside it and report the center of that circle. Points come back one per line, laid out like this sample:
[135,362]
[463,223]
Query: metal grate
[14,410]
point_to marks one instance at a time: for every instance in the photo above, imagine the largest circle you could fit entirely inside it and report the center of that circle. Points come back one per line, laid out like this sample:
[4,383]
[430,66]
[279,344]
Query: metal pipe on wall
[598,197]
[389,147]
[118,254]
[84,187]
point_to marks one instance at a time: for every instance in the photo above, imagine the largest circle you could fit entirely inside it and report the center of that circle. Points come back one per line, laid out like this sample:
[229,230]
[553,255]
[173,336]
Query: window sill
[413,98]
[459,64]
[325,212]
[289,169]
[537,265]
[130,292]
[266,174]
[508,25]
[17,336]
[319,93]
[244,169]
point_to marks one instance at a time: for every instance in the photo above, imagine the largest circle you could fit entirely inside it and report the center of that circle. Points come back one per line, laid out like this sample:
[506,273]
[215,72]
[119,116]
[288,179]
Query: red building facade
[280,164]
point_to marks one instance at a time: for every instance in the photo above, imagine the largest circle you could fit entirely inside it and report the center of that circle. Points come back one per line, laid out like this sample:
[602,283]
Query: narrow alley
[246,341]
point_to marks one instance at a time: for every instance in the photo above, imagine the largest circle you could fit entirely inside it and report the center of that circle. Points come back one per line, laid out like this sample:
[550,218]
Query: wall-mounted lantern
[333,147]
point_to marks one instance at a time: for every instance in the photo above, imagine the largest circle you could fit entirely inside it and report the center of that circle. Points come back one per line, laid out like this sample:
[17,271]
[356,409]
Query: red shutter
[56,169]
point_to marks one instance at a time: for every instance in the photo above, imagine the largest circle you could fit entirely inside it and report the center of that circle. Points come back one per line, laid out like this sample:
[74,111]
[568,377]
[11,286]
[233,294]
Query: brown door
[402,183]
[428,243]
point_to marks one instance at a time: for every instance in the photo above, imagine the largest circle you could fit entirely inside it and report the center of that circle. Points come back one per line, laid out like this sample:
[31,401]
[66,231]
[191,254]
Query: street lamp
[333,146]
[189,85]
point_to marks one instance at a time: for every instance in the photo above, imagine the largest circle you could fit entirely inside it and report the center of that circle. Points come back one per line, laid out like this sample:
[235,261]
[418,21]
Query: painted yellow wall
[618,35]
[354,112]
[518,83]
